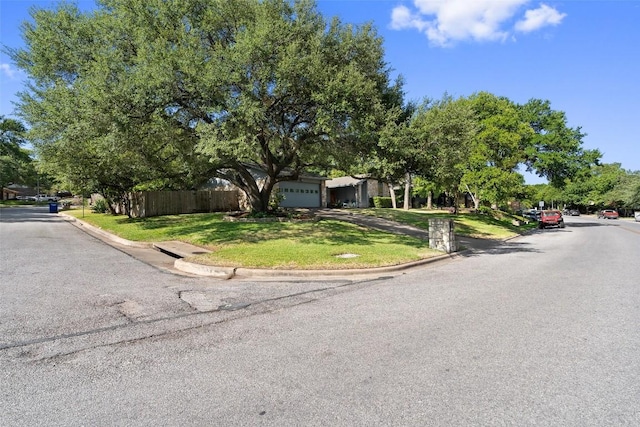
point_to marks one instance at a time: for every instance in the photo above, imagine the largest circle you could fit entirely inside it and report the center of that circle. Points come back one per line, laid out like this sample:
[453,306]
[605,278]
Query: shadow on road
[588,224]
[14,215]
[493,247]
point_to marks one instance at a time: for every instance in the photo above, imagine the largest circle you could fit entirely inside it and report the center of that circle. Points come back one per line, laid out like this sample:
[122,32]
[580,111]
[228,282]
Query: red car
[551,218]
[608,214]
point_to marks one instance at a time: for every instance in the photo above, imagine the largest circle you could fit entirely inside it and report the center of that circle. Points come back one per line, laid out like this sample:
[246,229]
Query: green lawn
[290,245]
[298,245]
[497,226]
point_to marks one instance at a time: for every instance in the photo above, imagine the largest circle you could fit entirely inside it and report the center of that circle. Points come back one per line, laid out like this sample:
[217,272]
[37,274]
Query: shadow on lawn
[420,220]
[212,230]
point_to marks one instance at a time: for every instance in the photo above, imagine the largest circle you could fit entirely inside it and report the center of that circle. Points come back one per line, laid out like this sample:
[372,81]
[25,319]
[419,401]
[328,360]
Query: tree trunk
[430,200]
[475,198]
[407,191]
[254,200]
[392,194]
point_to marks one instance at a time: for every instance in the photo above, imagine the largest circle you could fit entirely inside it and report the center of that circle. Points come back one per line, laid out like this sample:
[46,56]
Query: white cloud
[535,19]
[446,22]
[7,70]
[402,18]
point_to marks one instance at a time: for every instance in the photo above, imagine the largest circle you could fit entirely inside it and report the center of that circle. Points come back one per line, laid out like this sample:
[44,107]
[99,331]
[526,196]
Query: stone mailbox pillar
[441,236]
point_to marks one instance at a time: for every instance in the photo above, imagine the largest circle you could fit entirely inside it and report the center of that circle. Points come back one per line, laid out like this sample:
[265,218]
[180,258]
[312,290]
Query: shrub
[485,210]
[275,199]
[382,202]
[100,206]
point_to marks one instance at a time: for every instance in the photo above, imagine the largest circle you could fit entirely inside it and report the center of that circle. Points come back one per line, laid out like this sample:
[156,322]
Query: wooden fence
[155,203]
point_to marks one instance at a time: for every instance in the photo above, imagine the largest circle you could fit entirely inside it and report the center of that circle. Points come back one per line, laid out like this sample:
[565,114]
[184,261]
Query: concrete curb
[254,272]
[104,234]
[230,272]
[204,270]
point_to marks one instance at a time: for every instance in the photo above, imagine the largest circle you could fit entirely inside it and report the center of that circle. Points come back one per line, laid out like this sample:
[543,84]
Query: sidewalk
[170,255]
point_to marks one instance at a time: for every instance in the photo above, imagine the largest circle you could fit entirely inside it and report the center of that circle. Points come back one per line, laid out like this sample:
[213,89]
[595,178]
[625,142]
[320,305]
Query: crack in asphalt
[219,309]
[171,332]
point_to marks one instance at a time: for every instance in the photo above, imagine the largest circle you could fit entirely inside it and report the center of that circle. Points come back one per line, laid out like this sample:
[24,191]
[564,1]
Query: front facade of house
[308,191]
[353,192]
[8,194]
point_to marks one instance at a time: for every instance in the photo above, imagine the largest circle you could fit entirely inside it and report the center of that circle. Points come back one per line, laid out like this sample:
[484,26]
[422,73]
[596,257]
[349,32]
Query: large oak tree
[170,93]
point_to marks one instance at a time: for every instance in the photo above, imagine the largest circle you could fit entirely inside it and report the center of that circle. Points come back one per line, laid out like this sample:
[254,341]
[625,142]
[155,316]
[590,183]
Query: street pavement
[539,330]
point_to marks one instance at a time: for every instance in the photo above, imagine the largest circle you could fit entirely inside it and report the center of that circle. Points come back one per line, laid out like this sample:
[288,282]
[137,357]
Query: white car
[636,215]
[45,198]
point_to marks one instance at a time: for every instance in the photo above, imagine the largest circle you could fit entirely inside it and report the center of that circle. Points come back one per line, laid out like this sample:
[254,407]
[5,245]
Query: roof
[288,172]
[344,181]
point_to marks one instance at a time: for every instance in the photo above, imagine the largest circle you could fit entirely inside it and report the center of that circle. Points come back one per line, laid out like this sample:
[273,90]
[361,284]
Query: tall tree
[554,150]
[426,140]
[167,94]
[299,93]
[16,165]
[490,171]
[632,190]
[448,127]
[96,119]
[511,135]
[611,186]
[604,185]
[394,158]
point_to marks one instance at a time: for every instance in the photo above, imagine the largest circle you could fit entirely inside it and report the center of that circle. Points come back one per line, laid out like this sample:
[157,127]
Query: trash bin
[53,207]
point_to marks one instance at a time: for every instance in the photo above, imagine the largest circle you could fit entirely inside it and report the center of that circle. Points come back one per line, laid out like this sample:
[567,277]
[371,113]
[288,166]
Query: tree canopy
[168,94]
[16,165]
[603,186]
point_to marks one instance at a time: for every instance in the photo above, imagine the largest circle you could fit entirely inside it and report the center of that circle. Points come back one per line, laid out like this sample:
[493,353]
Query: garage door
[300,195]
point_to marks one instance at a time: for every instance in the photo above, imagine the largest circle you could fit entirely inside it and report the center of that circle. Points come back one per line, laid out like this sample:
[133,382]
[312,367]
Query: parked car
[574,212]
[551,218]
[608,214]
[532,214]
[46,198]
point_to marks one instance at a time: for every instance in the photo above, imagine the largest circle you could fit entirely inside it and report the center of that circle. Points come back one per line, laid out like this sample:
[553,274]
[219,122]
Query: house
[8,194]
[308,191]
[356,192]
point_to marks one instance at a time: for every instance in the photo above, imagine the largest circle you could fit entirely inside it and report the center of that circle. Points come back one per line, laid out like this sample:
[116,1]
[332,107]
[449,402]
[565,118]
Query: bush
[100,206]
[382,202]
[485,210]
[275,199]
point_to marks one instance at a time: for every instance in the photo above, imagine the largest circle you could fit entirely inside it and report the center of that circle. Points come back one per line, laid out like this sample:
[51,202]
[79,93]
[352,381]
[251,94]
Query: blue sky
[582,56]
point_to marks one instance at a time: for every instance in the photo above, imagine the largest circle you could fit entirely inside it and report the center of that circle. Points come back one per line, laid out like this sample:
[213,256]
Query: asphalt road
[542,330]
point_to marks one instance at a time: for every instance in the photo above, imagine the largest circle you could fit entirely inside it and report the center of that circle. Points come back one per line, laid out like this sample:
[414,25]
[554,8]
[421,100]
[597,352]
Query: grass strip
[278,245]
